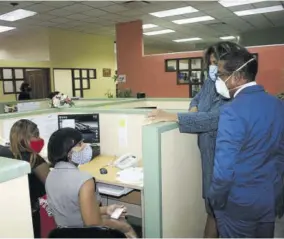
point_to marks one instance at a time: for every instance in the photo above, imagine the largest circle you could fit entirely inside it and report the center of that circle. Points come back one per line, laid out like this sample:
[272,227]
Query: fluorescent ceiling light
[193,20]
[5,29]
[227,37]
[188,39]
[148,26]
[174,12]
[260,10]
[16,15]
[158,32]
[232,3]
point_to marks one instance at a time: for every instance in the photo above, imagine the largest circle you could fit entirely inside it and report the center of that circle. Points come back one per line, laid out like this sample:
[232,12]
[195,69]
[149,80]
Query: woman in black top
[25,91]
[26,145]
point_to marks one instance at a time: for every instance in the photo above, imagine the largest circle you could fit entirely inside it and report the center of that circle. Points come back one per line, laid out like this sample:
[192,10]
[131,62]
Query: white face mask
[213,69]
[83,156]
[221,86]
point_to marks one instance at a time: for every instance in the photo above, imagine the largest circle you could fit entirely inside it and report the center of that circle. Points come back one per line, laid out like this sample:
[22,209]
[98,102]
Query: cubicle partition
[171,204]
[150,103]
[173,183]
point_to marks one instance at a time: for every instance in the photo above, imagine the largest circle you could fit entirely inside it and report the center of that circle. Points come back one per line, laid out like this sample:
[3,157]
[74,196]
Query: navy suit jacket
[249,156]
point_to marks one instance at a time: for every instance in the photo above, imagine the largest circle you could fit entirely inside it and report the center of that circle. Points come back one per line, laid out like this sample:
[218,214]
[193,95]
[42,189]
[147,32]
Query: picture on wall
[106,72]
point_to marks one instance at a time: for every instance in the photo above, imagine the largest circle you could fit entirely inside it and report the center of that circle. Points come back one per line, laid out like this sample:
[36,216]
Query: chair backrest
[86,232]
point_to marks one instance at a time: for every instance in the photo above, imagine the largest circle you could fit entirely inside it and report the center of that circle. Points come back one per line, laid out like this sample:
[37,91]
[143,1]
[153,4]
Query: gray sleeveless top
[62,186]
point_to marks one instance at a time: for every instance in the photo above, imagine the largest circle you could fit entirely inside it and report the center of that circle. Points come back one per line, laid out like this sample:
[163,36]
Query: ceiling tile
[77,16]
[115,8]
[98,4]
[95,13]
[238,24]
[275,16]
[266,4]
[40,8]
[59,4]
[77,7]
[44,17]
[48,24]
[59,20]
[91,19]
[59,12]
[258,21]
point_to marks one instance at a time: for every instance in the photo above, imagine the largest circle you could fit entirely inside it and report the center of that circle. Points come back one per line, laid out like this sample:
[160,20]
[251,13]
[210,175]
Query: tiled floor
[279,228]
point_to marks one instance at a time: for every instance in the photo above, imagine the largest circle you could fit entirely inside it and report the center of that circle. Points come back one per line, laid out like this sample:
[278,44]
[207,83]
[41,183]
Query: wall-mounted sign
[121,78]
[106,72]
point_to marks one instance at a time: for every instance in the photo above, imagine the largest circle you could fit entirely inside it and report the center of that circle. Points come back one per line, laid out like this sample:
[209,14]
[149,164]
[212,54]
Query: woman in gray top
[70,192]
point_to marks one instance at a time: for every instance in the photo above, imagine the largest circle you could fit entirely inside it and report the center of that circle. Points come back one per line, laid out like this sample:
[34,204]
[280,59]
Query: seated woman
[70,192]
[26,145]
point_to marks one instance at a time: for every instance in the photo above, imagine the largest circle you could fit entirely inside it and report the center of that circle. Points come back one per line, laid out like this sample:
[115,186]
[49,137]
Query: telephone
[126,161]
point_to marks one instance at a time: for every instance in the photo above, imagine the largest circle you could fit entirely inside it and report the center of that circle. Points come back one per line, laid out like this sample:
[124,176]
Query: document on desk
[122,131]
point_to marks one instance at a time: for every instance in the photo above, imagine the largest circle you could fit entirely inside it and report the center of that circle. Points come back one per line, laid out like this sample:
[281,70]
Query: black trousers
[36,224]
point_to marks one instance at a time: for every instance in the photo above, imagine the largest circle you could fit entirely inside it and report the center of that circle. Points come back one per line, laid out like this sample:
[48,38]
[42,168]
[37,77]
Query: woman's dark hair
[60,143]
[24,86]
[219,50]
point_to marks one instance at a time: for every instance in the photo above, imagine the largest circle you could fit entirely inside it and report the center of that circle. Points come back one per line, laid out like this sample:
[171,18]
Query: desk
[110,178]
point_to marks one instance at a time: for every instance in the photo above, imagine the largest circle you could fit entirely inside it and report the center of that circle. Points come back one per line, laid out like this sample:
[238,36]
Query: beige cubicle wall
[184,187]
[15,207]
[174,190]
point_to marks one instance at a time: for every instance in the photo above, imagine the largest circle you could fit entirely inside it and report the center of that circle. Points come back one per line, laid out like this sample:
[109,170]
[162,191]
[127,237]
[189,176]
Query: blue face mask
[213,69]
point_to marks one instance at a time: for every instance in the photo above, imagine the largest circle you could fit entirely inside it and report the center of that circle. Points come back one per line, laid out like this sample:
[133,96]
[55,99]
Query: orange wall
[147,73]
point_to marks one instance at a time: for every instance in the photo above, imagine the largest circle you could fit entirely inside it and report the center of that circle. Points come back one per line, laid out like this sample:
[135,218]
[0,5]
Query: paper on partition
[122,132]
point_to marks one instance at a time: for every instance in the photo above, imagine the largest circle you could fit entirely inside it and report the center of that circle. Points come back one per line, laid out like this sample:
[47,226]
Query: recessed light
[16,15]
[193,20]
[188,39]
[227,37]
[230,3]
[148,26]
[158,32]
[5,29]
[174,12]
[260,10]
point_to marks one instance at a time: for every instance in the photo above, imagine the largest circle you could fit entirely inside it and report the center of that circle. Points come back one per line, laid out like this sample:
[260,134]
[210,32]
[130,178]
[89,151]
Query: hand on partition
[162,116]
[193,109]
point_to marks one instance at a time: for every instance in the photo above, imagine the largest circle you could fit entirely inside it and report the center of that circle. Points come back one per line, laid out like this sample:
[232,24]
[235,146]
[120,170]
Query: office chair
[85,232]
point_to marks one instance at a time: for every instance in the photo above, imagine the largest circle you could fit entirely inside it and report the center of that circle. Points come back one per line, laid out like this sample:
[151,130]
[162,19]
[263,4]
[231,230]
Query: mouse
[103,170]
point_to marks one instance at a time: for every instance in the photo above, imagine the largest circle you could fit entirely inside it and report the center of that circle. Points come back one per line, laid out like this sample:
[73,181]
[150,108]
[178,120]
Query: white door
[63,81]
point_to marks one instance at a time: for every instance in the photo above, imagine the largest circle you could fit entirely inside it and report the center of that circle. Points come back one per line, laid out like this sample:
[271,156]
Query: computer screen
[87,124]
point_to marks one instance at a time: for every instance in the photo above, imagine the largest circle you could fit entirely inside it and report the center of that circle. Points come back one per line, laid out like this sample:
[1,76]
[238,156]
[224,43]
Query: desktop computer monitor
[87,124]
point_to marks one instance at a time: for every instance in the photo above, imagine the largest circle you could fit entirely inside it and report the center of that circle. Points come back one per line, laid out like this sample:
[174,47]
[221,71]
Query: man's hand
[193,109]
[162,116]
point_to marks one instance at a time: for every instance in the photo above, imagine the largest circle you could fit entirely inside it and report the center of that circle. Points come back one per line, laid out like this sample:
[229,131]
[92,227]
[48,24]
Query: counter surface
[102,161]
[12,168]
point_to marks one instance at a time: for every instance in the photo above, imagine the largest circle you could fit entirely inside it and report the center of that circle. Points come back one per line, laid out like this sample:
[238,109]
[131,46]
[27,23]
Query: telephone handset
[126,161]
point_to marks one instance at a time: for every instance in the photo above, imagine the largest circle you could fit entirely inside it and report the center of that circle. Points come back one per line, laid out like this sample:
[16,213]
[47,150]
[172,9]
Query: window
[38,78]
[81,80]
